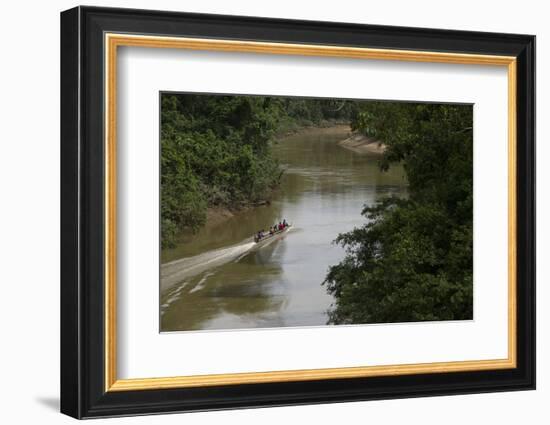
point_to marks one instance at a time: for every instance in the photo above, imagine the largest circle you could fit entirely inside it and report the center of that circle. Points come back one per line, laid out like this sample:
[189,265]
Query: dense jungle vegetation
[216,151]
[412,259]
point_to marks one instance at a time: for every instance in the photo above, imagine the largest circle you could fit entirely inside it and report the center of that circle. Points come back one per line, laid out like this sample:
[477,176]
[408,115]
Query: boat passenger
[285,224]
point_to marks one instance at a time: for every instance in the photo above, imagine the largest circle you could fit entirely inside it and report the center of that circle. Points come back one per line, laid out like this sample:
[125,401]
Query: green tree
[412,259]
[214,152]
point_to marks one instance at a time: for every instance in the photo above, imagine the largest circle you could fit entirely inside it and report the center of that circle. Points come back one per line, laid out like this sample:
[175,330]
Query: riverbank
[217,215]
[362,144]
[324,127]
[356,142]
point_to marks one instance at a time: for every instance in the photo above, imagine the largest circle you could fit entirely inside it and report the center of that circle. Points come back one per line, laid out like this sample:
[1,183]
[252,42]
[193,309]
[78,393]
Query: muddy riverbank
[362,144]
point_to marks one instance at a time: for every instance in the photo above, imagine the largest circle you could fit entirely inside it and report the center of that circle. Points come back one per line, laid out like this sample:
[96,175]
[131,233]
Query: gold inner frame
[113,41]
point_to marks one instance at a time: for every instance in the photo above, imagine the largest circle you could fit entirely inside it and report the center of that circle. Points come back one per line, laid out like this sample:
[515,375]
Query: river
[215,280]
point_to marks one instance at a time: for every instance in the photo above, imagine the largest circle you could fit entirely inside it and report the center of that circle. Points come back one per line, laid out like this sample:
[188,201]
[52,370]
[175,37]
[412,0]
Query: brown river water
[217,279]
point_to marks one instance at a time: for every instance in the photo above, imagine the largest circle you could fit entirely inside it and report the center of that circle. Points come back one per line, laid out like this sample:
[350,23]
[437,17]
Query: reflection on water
[217,280]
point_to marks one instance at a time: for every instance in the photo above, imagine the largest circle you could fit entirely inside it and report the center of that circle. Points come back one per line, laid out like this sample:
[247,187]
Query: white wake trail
[175,271]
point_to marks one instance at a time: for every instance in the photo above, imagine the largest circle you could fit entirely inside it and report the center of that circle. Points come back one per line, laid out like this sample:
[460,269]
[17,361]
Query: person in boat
[280,226]
[285,224]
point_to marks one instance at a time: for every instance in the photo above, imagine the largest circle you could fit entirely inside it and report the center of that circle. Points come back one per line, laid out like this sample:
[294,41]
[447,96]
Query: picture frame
[90,40]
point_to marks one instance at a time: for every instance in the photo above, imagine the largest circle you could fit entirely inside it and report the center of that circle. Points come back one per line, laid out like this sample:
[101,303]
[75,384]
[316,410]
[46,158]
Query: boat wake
[175,271]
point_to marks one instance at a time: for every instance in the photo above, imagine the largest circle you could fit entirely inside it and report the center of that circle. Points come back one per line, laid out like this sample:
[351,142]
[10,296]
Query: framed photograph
[261,212]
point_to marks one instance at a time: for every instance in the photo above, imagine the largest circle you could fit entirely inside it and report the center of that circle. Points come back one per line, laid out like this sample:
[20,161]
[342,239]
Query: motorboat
[268,237]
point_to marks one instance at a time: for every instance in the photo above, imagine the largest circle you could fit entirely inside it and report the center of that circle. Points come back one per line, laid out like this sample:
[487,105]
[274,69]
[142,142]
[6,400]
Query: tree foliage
[216,151]
[412,259]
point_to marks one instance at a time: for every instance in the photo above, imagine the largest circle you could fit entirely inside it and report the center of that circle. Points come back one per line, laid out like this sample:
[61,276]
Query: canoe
[266,240]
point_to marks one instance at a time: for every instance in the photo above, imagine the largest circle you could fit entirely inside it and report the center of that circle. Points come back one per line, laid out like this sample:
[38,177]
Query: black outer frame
[82,212]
